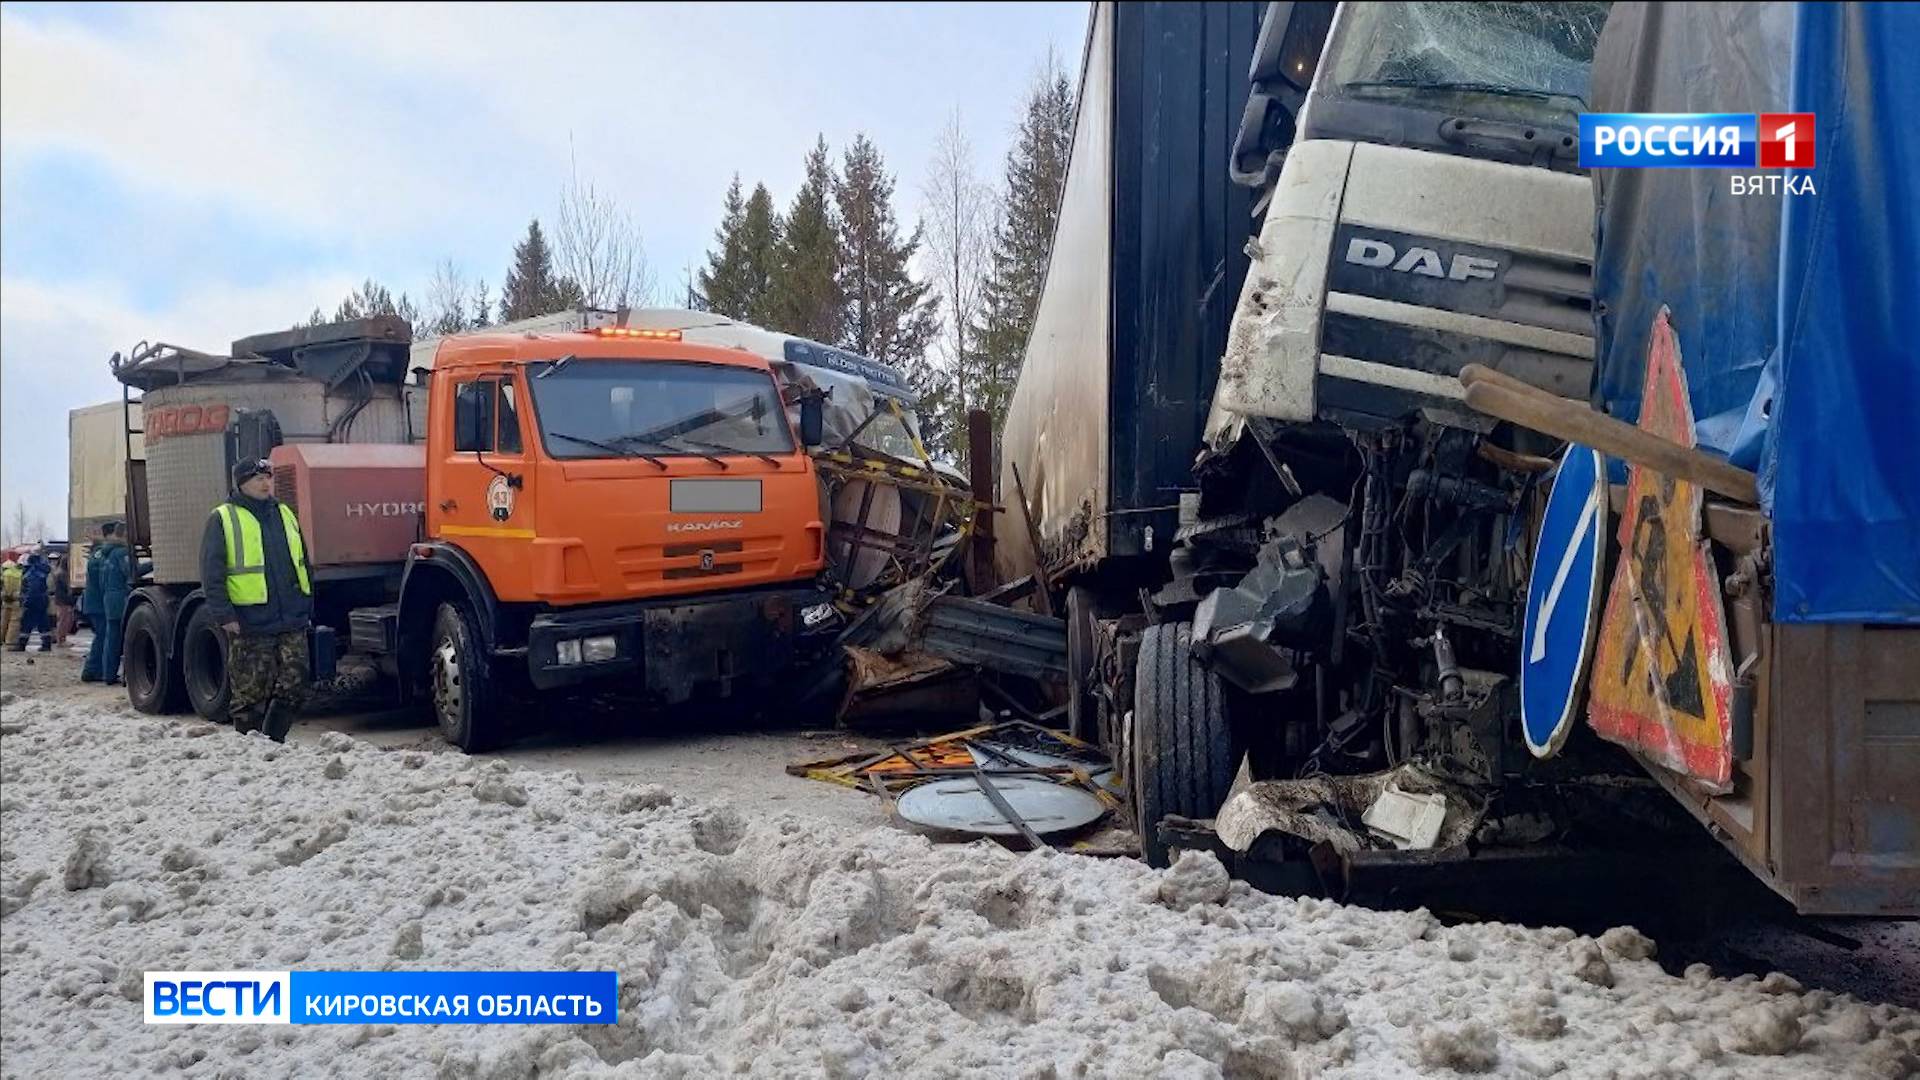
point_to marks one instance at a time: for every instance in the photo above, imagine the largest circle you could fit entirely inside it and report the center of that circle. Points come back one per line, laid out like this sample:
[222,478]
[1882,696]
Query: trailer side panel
[1180,230]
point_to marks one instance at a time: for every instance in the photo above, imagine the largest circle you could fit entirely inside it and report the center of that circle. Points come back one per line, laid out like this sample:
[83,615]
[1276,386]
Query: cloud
[54,344]
[441,129]
[193,105]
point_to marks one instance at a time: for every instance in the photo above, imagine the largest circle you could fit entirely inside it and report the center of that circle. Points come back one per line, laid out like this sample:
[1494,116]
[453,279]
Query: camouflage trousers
[267,681]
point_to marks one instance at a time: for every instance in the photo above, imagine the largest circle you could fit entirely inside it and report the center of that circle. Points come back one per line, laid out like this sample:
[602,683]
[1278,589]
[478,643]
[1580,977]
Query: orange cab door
[486,498]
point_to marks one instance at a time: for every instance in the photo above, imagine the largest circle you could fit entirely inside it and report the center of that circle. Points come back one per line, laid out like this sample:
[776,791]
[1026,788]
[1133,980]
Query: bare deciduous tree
[959,219]
[449,299]
[596,243]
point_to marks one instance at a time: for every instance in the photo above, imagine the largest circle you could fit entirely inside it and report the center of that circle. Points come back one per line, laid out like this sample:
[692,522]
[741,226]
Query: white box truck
[97,447]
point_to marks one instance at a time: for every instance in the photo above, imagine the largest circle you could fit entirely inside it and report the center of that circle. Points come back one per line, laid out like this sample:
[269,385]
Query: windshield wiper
[625,439]
[555,366]
[761,454]
[1498,89]
[651,459]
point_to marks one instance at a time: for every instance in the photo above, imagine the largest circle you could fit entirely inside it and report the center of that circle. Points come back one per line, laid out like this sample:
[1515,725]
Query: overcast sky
[197,174]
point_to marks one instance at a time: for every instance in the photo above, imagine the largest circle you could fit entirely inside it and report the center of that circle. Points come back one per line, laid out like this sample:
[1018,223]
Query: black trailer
[1148,260]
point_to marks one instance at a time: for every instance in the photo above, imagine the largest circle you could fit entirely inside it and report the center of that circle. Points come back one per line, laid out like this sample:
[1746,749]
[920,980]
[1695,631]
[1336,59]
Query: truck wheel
[154,685]
[203,662]
[460,678]
[1181,754]
[820,688]
[1083,667]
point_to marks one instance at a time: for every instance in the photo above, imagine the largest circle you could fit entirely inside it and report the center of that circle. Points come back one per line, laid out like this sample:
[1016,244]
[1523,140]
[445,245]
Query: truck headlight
[568,652]
[595,649]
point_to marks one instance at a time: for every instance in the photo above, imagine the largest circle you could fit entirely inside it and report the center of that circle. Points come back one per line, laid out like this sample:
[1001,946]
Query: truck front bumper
[676,648]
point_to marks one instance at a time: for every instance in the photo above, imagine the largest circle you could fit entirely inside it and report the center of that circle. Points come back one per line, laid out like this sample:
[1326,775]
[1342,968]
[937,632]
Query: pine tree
[720,281]
[365,302]
[1023,241]
[889,315]
[739,275]
[370,300]
[531,287]
[482,307]
[804,298]
[760,246]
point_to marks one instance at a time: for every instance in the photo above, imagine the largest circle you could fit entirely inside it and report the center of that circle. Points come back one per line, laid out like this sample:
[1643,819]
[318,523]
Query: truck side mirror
[813,420]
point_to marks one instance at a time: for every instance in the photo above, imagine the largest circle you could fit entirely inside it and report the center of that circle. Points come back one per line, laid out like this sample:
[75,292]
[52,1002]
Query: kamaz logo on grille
[1380,255]
[702,526]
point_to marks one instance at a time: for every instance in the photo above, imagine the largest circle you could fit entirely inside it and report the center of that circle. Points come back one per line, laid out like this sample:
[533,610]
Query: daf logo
[1380,255]
[702,526]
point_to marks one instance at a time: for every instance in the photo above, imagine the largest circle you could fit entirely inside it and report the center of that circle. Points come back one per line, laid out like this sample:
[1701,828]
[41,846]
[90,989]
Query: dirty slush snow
[775,946]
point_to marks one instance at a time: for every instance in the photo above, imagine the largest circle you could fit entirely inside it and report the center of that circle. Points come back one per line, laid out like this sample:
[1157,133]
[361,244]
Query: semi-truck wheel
[1181,752]
[460,677]
[203,663]
[154,685]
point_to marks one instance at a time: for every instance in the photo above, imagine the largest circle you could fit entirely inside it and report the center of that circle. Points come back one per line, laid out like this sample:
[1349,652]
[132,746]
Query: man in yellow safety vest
[253,566]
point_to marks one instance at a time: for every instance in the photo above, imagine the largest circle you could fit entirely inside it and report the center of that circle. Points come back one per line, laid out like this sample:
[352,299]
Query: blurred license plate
[715,496]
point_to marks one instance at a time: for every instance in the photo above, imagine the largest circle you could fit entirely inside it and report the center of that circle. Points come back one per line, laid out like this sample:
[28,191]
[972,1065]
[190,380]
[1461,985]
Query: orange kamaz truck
[539,510]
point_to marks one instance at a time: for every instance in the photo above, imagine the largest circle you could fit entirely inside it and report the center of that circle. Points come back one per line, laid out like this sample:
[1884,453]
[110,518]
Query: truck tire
[203,666]
[1181,752]
[154,684]
[460,682]
[1083,667]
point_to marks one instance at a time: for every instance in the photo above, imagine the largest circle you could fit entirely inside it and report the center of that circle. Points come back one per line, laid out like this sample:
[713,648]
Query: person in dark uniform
[253,565]
[109,584]
[34,598]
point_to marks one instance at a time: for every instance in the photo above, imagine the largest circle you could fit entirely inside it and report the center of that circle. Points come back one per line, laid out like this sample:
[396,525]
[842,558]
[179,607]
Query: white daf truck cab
[1424,211]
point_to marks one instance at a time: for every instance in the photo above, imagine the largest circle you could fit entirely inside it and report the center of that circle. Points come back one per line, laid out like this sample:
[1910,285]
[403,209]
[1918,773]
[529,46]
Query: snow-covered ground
[775,946]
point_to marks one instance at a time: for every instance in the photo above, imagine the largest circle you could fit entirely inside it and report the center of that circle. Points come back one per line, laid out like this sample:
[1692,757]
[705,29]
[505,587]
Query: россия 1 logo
[1786,140]
[1696,140]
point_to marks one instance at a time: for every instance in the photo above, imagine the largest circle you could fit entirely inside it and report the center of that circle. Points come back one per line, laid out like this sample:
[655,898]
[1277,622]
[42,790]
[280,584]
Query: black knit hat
[249,468]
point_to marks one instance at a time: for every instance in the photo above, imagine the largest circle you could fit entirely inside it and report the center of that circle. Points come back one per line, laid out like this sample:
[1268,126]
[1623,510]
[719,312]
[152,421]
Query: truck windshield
[588,407]
[1503,61]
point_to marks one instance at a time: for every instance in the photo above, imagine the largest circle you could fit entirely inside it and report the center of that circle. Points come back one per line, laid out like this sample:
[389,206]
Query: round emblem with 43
[500,499]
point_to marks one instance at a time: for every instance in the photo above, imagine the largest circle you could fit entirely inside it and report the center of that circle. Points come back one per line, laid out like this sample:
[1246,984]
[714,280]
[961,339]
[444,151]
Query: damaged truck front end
[1379,526]
[1334,587]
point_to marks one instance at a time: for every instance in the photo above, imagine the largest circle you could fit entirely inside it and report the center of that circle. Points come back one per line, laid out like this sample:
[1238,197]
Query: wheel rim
[447,693]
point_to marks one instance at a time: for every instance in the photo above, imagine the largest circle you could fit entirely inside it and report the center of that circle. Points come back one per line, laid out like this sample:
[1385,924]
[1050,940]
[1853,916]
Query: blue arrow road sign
[1564,598]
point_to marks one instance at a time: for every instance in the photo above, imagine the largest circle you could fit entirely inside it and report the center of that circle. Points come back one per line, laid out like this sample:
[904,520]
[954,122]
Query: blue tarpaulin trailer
[1794,312]
[1842,465]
